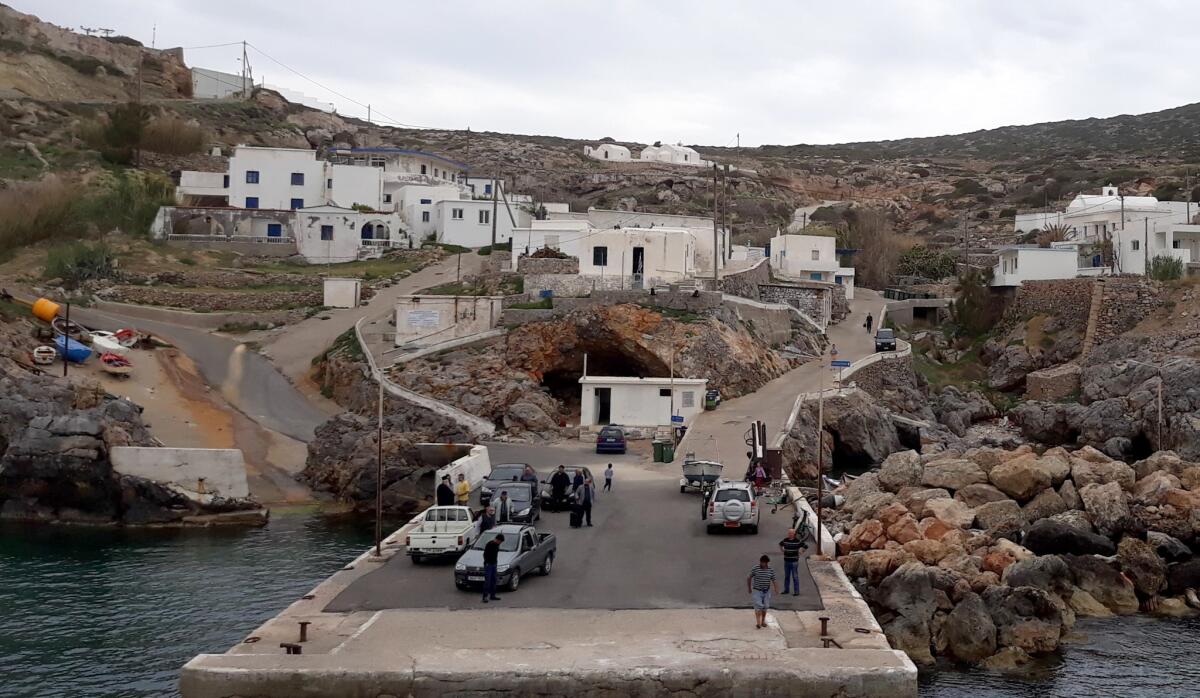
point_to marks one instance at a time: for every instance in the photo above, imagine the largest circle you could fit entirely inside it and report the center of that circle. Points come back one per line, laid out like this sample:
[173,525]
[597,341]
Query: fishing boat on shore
[115,364]
[70,349]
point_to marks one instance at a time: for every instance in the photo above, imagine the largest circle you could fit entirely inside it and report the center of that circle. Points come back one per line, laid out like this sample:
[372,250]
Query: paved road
[648,549]
[246,379]
[719,434]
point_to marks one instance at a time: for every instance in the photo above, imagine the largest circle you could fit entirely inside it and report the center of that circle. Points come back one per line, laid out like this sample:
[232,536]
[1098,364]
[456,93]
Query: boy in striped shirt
[760,584]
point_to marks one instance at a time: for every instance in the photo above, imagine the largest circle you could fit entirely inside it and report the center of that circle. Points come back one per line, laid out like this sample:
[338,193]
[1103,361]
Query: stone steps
[1089,337]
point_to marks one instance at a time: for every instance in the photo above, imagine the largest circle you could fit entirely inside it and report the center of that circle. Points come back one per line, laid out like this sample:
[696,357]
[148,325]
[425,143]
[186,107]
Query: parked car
[712,399]
[733,506]
[444,532]
[548,500]
[611,439]
[885,339]
[501,474]
[523,552]
[525,498]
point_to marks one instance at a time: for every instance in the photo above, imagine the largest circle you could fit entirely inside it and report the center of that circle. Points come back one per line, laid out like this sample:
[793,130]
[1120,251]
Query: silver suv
[733,506]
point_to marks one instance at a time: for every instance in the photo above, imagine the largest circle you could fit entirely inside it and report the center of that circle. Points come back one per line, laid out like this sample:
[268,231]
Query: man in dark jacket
[445,493]
[577,481]
[559,482]
[585,494]
[487,520]
[491,553]
[505,509]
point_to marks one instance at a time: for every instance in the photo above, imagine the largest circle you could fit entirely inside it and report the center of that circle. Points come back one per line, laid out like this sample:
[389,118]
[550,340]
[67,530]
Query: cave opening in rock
[910,436]
[562,381]
[1140,448]
[846,458]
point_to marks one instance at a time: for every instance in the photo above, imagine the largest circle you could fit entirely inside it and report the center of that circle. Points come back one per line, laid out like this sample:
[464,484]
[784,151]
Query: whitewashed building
[610,152]
[701,228]
[677,154]
[469,222]
[616,257]
[332,234]
[639,402]
[1019,263]
[214,84]
[810,258]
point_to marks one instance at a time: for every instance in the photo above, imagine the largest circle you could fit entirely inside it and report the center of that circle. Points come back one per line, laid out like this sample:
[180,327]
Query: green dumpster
[668,451]
[658,451]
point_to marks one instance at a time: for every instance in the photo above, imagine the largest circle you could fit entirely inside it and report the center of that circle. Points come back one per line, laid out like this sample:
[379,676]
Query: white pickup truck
[444,532]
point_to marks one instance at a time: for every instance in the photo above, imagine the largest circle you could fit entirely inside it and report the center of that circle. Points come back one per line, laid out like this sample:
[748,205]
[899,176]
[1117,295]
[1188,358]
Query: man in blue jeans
[491,552]
[760,584]
[791,548]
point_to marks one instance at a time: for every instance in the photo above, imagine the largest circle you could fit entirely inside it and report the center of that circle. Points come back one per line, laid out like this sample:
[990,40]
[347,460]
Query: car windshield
[885,334]
[609,432]
[508,545]
[729,494]
[517,495]
[507,472]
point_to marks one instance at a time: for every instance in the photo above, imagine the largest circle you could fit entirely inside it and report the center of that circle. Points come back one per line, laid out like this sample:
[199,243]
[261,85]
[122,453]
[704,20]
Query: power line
[197,48]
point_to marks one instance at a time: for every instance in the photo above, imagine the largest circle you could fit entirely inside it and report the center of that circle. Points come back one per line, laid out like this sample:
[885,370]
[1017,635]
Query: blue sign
[840,364]
[677,419]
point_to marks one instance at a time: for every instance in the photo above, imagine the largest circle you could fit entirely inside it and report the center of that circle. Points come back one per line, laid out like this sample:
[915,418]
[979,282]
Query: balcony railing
[231,238]
[383,243]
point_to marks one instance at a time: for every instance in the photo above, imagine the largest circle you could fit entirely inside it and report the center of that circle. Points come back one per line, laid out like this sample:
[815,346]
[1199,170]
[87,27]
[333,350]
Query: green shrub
[78,262]
[973,310]
[1164,268]
[926,262]
[173,136]
[30,213]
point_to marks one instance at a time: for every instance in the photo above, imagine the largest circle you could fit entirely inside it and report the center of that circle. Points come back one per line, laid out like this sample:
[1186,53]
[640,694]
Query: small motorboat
[115,364]
[71,329]
[44,355]
[73,351]
[699,474]
[107,343]
[127,337]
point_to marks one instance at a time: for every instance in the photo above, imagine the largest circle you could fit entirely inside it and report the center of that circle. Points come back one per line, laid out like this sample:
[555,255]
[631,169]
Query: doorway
[603,405]
[639,266]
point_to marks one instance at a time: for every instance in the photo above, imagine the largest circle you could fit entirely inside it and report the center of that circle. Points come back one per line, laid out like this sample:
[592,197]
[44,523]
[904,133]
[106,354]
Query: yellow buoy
[45,309]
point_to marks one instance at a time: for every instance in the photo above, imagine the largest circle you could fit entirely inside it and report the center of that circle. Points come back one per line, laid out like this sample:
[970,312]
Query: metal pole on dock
[379,474]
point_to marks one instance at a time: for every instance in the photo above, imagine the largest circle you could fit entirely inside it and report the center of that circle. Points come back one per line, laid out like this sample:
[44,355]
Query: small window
[251,202]
[485,217]
[424,216]
[816,254]
[688,398]
[297,203]
[387,198]
[600,256]
[1135,244]
[456,214]
[327,232]
[377,161]
[487,189]
[436,173]
[427,201]
[664,392]
[225,182]
[251,176]
[606,155]
[297,179]
[1175,244]
[329,184]
[423,170]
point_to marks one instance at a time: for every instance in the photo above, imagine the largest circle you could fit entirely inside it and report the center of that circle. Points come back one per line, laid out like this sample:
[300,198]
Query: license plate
[610,441]
[474,579]
[732,524]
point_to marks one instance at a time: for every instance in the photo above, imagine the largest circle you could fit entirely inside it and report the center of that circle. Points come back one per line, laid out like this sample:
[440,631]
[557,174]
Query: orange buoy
[45,309]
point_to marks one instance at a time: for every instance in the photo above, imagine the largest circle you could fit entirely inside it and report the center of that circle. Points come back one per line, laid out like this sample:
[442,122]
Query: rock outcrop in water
[989,556]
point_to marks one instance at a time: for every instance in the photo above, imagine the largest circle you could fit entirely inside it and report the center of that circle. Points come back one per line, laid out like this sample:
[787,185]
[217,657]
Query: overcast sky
[697,71]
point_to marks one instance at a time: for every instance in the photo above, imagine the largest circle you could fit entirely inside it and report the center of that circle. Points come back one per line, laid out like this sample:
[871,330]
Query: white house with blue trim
[810,258]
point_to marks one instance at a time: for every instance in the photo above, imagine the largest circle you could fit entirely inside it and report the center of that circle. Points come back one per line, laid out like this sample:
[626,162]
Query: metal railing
[280,239]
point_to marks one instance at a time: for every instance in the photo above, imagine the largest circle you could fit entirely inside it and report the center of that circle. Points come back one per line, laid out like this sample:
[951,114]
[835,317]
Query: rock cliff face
[988,556]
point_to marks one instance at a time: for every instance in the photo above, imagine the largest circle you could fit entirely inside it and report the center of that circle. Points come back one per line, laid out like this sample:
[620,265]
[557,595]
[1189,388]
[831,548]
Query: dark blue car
[610,440]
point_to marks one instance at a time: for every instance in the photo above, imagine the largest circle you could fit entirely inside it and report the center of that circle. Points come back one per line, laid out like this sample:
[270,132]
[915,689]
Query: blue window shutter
[427,201]
[251,202]
[225,181]
[251,176]
[297,203]
[297,179]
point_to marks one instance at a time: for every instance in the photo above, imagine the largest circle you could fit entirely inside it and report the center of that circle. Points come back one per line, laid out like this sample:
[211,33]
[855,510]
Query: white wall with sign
[425,320]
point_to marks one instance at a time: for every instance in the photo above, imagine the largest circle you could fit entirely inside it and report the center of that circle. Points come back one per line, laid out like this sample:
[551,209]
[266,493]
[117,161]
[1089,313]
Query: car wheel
[710,529]
[753,529]
[416,559]
[462,586]
[683,488]
[549,563]
[515,580]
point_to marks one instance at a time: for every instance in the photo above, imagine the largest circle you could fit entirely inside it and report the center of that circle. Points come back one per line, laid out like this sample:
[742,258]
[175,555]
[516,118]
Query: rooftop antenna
[91,31]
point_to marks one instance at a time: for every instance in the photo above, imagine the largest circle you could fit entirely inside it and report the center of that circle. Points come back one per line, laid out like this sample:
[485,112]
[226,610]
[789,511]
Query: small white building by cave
[639,403]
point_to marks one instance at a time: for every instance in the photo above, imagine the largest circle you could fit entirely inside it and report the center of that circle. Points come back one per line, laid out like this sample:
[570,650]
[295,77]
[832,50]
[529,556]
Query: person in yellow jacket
[462,490]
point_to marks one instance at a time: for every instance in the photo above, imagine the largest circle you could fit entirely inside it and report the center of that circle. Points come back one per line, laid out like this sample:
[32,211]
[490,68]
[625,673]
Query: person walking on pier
[462,490]
[445,494]
[608,476]
[760,584]
[584,496]
[491,553]
[791,547]
[559,482]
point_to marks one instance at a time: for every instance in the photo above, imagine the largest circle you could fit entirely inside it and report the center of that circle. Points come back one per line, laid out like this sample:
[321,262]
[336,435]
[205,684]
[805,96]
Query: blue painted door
[274,230]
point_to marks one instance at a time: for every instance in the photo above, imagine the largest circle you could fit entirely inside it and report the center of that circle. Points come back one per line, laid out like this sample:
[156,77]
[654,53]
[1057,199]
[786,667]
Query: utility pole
[495,203]
[137,147]
[820,446]
[245,64]
[1187,184]
[725,210]
[368,113]
[716,277]
[379,472]
[66,347]
[803,219]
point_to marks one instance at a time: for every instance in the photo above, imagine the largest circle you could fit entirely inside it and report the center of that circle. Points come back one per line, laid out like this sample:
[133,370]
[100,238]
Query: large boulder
[918,500]
[1190,479]
[860,427]
[1070,495]
[1026,618]
[993,514]
[953,474]
[959,410]
[1086,472]
[1103,582]
[1057,464]
[989,457]
[1008,370]
[1075,519]
[867,506]
[1048,573]
[864,536]
[1046,504]
[1107,507]
[1165,461]
[1086,606]
[930,552]
[953,512]
[1168,547]
[1020,478]
[1153,487]
[908,593]
[1142,565]
[1183,576]
[902,469]
[1047,537]
[975,495]
[969,632]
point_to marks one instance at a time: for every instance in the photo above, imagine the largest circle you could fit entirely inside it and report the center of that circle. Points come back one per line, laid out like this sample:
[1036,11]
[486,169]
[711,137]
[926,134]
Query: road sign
[677,419]
[840,364]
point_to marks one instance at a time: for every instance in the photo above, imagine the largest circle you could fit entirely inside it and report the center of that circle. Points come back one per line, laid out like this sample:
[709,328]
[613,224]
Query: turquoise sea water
[95,612]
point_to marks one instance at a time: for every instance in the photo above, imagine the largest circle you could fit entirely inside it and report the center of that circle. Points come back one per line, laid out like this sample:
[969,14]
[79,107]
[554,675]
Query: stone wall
[538,265]
[746,283]
[892,381]
[774,326]
[1068,299]
[684,301]
[1126,301]
[212,301]
[570,285]
[215,278]
[841,307]
[249,249]
[1053,384]
[809,300]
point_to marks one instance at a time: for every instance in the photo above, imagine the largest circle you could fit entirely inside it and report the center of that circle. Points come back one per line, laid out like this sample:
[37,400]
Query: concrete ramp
[213,471]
